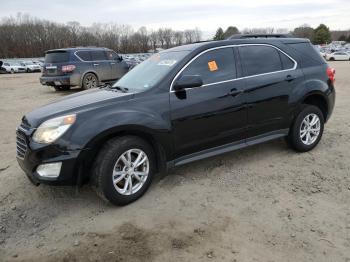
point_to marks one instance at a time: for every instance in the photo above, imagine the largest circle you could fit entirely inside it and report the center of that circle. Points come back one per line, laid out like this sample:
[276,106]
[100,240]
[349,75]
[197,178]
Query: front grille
[21,145]
[24,125]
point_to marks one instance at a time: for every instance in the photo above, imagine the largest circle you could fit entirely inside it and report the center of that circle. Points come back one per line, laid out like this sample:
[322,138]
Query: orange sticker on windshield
[212,66]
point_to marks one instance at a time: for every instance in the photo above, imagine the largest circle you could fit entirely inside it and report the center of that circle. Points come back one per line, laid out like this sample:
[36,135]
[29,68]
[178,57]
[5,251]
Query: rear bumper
[331,102]
[65,80]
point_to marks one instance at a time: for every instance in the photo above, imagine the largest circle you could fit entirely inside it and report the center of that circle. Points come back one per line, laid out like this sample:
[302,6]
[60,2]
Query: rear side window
[260,59]
[84,55]
[98,55]
[213,66]
[57,57]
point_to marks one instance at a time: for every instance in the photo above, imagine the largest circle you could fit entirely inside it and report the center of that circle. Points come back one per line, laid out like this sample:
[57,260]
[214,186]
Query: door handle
[112,63]
[96,64]
[290,78]
[235,92]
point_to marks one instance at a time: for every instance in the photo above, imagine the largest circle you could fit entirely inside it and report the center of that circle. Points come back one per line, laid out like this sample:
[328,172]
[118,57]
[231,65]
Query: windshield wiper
[123,89]
[120,88]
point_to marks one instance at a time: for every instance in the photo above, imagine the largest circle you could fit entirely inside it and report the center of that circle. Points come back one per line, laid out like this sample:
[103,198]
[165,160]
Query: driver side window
[213,66]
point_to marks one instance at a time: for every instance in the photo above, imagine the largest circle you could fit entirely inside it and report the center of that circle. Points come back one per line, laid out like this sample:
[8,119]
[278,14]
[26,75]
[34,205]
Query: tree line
[319,35]
[25,36]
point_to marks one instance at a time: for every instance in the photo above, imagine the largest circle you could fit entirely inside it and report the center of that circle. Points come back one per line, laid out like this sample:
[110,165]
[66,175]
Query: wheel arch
[87,157]
[319,100]
[85,73]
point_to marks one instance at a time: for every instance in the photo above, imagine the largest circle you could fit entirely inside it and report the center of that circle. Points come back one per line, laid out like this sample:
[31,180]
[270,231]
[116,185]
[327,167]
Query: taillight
[331,74]
[68,68]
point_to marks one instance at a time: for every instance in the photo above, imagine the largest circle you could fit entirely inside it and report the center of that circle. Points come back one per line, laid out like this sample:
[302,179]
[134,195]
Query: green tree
[322,35]
[231,30]
[304,31]
[219,35]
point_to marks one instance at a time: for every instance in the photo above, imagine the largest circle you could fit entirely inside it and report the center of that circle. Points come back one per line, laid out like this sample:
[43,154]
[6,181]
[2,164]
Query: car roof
[82,48]
[211,44]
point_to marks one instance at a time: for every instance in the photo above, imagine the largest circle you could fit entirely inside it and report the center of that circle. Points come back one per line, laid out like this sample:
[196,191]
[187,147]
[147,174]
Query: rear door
[270,77]
[213,114]
[101,65]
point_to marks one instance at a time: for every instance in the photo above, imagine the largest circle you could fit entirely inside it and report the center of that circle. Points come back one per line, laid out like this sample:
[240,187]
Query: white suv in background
[13,68]
[339,55]
[31,67]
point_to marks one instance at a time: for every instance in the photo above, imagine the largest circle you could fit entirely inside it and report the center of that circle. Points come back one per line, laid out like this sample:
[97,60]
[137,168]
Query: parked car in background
[339,55]
[181,105]
[86,67]
[13,67]
[2,69]
[30,66]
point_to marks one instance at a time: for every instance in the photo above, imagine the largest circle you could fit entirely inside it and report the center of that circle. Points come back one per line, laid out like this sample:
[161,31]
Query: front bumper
[31,154]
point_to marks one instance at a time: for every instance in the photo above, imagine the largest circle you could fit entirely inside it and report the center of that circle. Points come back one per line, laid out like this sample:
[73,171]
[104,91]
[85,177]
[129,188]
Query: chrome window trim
[234,79]
[82,60]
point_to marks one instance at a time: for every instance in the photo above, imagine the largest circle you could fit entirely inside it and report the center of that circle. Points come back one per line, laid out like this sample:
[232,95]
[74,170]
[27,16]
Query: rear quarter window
[308,54]
[57,57]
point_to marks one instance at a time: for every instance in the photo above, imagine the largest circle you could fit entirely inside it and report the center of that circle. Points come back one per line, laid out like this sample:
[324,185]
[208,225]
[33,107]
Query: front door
[213,114]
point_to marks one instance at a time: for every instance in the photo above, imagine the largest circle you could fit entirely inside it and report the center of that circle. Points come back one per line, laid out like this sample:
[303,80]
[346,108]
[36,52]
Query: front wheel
[307,129]
[123,170]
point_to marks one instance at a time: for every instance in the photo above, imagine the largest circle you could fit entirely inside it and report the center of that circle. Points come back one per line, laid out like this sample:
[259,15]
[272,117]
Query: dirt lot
[263,203]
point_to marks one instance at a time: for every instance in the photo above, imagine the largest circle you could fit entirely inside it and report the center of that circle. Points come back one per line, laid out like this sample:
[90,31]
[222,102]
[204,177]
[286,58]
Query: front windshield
[147,74]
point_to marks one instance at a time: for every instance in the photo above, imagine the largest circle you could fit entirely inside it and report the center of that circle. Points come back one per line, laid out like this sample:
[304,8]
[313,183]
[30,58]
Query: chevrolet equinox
[183,104]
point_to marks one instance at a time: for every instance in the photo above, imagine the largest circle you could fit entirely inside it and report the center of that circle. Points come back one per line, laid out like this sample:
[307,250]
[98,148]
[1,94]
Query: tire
[109,161]
[302,138]
[28,71]
[12,71]
[62,88]
[331,59]
[89,81]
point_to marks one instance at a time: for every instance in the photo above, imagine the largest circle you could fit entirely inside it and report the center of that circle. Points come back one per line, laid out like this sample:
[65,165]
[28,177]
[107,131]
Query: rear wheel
[307,129]
[123,170]
[12,71]
[89,81]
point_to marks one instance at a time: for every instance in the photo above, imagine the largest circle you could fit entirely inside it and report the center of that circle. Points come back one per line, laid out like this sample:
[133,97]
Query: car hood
[75,103]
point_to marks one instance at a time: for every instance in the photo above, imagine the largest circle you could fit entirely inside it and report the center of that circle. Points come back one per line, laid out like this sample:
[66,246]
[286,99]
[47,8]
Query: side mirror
[119,58]
[187,81]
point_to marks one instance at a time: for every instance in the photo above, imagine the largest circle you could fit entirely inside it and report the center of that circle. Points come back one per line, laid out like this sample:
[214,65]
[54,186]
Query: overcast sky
[185,14]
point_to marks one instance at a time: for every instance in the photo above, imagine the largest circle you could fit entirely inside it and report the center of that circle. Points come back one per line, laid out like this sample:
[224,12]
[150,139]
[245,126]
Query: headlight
[53,128]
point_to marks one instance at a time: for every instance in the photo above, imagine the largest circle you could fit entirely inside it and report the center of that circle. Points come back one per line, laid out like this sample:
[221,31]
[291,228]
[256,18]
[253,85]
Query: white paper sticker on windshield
[167,62]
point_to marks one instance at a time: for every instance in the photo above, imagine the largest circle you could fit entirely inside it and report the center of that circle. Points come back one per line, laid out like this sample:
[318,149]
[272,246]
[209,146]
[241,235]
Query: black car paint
[181,126]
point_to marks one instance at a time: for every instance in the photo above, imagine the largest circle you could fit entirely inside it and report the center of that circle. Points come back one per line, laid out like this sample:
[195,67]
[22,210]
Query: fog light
[51,170]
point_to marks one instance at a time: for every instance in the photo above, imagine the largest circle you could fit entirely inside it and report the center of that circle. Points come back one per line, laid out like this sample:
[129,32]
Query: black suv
[181,105]
[83,67]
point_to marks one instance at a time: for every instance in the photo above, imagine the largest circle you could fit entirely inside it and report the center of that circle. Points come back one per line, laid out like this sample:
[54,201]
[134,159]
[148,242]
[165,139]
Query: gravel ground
[263,203]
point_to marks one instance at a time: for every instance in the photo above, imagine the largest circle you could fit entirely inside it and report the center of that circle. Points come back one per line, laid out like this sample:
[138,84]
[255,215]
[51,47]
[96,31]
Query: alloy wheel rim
[310,129]
[130,171]
[90,81]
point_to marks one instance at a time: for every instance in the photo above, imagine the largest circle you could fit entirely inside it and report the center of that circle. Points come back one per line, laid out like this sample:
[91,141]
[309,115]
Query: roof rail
[245,36]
